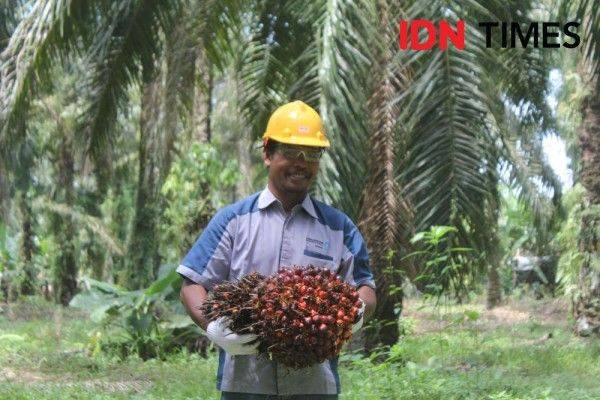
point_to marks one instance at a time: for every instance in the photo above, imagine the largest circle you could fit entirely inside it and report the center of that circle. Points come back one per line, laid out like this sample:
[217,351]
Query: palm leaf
[94,224]
[129,41]
[25,63]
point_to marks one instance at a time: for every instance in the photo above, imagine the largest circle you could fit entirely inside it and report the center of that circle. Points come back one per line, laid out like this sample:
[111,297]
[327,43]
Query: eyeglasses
[292,152]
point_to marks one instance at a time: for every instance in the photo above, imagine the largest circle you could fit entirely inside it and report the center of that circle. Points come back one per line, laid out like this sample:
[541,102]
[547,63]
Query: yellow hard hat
[296,123]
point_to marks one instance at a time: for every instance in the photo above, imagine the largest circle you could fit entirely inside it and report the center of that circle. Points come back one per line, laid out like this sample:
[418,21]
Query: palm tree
[416,136]
[436,116]
[587,302]
[125,43]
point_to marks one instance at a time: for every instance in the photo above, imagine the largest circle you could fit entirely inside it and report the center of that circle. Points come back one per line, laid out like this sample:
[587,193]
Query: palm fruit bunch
[236,301]
[306,315]
[301,315]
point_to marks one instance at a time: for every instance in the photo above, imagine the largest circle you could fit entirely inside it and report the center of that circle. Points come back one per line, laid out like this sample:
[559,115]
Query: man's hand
[359,317]
[192,296]
[368,301]
[218,332]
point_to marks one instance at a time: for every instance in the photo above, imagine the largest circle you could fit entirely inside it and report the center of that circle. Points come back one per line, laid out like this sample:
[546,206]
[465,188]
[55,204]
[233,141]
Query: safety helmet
[296,123]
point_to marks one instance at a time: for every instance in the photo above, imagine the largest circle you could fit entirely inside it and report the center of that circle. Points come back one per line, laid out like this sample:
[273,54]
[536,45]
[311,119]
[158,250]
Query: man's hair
[269,147]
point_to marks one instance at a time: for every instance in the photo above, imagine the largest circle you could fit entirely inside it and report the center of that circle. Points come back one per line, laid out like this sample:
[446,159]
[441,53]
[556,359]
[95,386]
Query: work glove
[219,333]
[359,317]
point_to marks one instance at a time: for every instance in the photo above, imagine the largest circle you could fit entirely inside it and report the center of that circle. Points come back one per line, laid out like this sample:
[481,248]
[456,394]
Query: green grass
[443,356]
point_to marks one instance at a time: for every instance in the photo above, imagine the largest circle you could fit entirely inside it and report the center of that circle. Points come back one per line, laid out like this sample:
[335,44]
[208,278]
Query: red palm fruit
[301,316]
[234,300]
[313,319]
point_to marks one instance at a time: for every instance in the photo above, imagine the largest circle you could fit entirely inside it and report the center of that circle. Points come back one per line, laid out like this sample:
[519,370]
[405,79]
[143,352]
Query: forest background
[125,125]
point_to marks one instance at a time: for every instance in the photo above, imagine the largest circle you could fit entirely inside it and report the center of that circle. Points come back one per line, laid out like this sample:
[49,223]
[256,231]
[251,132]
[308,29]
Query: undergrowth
[44,354]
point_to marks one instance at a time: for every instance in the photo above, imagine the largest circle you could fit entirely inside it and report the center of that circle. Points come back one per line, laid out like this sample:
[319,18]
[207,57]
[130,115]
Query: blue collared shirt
[257,234]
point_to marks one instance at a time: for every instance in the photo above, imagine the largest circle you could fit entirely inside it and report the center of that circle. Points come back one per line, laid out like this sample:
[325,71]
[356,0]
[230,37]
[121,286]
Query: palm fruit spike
[235,300]
[306,315]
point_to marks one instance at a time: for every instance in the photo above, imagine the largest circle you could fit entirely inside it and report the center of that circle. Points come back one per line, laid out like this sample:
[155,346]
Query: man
[278,227]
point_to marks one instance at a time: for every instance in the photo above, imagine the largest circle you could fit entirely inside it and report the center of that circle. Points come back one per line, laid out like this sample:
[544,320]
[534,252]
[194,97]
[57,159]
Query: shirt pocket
[321,260]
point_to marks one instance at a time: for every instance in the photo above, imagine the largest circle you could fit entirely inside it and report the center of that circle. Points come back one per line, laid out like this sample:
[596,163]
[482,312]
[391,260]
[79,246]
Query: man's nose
[299,158]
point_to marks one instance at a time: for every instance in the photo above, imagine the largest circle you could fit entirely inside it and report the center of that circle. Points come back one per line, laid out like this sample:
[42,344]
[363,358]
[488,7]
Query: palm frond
[449,148]
[344,66]
[128,42]
[94,224]
[587,13]
[25,64]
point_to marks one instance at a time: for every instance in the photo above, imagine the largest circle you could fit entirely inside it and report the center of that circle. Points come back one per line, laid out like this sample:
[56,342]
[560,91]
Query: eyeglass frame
[283,148]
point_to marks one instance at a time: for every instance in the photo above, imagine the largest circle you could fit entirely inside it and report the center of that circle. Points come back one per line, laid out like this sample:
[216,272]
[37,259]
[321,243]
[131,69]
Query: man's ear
[266,158]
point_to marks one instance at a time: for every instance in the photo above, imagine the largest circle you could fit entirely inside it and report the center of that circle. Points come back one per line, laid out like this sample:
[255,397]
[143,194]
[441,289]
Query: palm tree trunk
[494,288]
[243,143]
[378,220]
[4,189]
[202,99]
[27,248]
[65,272]
[587,304]
[143,246]
[97,259]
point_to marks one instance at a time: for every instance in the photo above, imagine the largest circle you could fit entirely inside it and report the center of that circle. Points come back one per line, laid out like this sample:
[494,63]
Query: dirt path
[67,380]
[553,312]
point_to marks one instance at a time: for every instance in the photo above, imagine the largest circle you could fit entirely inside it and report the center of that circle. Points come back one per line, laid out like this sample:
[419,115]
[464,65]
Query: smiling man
[278,227]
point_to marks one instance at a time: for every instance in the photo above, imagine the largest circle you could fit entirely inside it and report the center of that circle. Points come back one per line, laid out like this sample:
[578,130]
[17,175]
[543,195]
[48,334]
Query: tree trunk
[494,288]
[96,256]
[65,273]
[120,218]
[379,212]
[587,304]
[27,247]
[143,246]
[4,189]
[202,99]
[244,185]
[243,144]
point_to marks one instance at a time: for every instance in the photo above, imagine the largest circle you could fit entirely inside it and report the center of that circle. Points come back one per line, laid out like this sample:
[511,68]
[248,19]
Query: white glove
[218,332]
[359,317]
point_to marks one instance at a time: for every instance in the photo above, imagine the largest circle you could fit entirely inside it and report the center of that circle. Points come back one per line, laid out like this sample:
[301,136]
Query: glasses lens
[311,155]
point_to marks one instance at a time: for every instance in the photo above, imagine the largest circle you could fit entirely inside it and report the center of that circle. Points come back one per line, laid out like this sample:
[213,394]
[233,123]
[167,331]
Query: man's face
[290,174]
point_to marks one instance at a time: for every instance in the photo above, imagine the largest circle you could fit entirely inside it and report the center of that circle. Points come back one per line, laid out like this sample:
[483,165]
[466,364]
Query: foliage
[44,358]
[198,184]
[525,231]
[445,266]
[566,241]
[419,139]
[148,323]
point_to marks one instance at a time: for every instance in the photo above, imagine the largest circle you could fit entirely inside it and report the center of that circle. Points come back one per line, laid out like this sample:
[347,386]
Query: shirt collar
[266,198]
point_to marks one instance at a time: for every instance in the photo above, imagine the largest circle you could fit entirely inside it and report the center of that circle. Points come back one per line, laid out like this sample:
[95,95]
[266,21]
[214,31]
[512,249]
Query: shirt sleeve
[354,266]
[208,261]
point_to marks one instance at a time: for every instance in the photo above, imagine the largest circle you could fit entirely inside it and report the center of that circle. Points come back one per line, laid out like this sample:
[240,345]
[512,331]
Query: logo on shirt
[320,246]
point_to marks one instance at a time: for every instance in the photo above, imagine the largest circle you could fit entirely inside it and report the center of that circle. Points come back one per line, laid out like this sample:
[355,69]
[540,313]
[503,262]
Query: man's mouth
[297,175]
